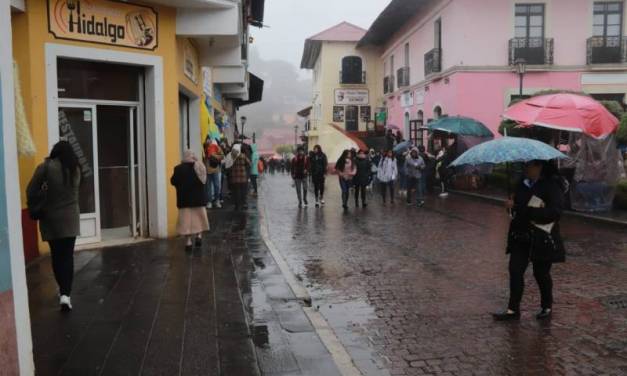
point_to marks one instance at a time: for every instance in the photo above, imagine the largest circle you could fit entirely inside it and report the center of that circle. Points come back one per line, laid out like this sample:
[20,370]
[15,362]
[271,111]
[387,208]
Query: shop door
[77,125]
[352,116]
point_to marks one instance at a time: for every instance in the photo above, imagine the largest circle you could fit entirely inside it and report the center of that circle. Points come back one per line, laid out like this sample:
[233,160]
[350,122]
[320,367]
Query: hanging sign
[207,82]
[351,97]
[190,62]
[104,21]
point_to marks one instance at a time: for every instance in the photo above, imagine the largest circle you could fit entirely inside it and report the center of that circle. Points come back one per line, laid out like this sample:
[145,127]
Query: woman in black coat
[534,235]
[362,177]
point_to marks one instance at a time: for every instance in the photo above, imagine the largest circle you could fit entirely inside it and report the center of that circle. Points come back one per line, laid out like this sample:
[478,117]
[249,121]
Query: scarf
[199,168]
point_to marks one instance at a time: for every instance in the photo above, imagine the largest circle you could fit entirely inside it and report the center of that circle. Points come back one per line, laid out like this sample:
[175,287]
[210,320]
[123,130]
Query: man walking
[318,165]
[300,171]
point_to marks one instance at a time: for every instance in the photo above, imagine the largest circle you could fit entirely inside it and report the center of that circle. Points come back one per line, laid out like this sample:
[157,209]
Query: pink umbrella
[566,112]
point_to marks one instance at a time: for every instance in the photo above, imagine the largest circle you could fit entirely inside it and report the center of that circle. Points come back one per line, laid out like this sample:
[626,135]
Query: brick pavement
[409,291]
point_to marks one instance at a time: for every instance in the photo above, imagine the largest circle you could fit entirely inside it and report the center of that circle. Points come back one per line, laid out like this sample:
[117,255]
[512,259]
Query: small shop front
[107,72]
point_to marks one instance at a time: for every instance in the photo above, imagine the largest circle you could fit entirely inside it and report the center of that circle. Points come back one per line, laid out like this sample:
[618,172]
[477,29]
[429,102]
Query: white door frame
[157,200]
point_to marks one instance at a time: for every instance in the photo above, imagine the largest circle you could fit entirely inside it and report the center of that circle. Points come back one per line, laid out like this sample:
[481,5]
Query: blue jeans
[419,185]
[214,185]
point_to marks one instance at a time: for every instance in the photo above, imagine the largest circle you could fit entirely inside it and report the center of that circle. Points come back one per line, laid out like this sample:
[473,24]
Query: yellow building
[346,83]
[124,83]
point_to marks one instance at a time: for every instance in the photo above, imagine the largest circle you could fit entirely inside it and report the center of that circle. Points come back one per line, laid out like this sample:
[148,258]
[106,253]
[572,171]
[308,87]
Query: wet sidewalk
[152,309]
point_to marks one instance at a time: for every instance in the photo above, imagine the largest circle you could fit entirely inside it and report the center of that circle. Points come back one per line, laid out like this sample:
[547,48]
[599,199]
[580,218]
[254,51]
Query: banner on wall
[106,22]
[351,97]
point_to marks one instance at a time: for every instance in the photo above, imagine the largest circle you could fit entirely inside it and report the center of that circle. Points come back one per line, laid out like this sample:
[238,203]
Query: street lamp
[521,69]
[243,121]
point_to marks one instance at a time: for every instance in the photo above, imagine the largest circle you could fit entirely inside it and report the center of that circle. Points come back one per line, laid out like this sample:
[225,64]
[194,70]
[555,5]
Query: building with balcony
[459,57]
[346,86]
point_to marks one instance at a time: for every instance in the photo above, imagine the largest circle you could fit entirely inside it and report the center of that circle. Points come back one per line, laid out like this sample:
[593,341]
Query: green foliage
[621,134]
[558,91]
[284,149]
[614,107]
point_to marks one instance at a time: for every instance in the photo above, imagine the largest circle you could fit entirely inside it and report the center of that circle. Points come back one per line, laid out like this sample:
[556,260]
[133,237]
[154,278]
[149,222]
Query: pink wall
[480,95]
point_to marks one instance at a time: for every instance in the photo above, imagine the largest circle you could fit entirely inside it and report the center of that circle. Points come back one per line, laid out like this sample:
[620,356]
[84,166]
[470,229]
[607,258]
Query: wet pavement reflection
[409,290]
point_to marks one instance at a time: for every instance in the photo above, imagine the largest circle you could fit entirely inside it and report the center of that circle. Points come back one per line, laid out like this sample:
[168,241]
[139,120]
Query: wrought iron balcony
[433,61]
[607,50]
[402,75]
[388,84]
[535,51]
[348,77]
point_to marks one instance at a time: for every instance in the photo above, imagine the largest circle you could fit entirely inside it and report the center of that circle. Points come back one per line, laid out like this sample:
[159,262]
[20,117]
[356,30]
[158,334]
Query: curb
[340,355]
[569,213]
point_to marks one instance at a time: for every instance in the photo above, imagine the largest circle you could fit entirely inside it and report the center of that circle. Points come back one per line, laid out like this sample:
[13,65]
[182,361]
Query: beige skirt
[192,221]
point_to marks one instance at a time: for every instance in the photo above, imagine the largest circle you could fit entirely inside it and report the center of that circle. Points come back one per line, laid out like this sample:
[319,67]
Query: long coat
[190,190]
[364,171]
[62,214]
[522,233]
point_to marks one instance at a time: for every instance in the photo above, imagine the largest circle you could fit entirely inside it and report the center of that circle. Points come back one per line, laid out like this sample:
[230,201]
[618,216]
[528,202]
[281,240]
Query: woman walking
[345,167]
[60,224]
[318,162]
[189,179]
[414,167]
[387,173]
[362,177]
[300,172]
[239,166]
[534,235]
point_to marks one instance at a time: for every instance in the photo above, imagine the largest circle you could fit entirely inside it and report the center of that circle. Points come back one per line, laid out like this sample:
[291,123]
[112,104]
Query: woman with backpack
[345,168]
[534,236]
[189,179]
[387,173]
[59,214]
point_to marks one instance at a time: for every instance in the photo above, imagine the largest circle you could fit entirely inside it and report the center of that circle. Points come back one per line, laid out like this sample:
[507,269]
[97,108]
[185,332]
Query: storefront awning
[255,91]
[304,112]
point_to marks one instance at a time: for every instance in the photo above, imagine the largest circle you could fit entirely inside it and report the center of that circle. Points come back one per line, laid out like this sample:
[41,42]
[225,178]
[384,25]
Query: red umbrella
[566,112]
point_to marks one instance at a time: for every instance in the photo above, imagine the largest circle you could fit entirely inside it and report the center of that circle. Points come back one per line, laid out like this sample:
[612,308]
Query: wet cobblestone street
[408,291]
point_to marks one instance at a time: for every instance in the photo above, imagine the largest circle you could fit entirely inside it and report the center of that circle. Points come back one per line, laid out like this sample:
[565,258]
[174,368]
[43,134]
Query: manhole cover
[615,302]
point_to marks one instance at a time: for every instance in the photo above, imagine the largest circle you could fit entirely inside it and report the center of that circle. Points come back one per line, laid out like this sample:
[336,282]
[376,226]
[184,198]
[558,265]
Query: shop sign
[351,97]
[207,82]
[407,99]
[190,63]
[104,21]
[419,97]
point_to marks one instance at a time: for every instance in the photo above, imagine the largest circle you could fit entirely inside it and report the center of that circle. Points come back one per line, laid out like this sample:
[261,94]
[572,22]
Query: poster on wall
[351,97]
[190,58]
[207,82]
[105,22]
[338,114]
[364,113]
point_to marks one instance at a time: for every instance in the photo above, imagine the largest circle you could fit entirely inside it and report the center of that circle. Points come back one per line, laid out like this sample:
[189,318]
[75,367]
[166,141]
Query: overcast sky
[292,21]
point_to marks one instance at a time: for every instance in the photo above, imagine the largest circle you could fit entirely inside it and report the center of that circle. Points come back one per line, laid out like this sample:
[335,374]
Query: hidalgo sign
[351,97]
[102,21]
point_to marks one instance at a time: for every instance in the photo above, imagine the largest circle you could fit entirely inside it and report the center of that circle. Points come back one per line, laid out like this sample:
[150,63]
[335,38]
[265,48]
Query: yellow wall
[327,79]
[195,87]
[30,33]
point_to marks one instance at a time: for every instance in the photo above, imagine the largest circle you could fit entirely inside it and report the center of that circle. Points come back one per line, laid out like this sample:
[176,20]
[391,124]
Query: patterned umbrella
[508,149]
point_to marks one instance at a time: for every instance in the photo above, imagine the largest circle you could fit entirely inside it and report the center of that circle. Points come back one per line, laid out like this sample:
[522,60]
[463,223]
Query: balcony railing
[347,77]
[607,50]
[535,51]
[388,84]
[433,61]
[402,75]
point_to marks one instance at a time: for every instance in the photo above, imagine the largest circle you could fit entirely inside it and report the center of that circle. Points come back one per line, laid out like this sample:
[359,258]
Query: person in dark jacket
[318,164]
[189,179]
[300,172]
[362,177]
[534,235]
[60,224]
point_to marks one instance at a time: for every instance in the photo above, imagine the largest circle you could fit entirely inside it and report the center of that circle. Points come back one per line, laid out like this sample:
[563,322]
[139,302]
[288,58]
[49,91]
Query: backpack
[37,200]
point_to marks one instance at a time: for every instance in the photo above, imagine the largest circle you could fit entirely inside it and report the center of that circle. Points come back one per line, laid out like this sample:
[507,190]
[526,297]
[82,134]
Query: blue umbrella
[402,147]
[460,125]
[508,149]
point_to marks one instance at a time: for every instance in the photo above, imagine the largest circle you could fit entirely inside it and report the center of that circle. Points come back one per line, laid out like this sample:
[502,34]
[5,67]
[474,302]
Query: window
[406,54]
[529,21]
[608,19]
[437,112]
[352,70]
[438,33]
[392,65]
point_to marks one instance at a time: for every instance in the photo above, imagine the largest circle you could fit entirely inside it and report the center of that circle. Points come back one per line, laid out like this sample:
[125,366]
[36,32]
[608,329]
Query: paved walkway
[409,291]
[151,309]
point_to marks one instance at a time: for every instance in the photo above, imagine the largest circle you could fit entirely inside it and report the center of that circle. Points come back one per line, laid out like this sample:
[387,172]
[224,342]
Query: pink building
[458,57]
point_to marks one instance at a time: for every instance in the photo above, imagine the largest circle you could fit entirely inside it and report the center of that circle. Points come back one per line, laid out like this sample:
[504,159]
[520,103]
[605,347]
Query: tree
[284,149]
[621,134]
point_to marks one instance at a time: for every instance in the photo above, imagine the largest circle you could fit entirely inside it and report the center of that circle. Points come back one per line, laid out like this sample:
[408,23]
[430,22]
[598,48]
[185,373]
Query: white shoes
[209,206]
[66,303]
[218,205]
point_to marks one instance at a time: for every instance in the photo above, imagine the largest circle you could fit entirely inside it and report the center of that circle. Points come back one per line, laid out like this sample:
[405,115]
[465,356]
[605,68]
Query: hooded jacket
[388,170]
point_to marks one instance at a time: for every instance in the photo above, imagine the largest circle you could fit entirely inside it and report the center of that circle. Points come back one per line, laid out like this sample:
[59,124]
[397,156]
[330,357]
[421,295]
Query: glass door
[77,125]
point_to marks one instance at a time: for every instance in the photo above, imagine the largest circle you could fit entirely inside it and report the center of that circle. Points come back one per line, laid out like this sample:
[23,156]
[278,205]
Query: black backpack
[37,200]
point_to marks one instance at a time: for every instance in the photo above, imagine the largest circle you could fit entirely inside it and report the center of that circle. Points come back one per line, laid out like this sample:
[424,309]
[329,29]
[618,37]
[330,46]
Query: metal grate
[615,302]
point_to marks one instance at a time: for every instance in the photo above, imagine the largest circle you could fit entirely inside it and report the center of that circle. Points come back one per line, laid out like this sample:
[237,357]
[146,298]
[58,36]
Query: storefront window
[81,79]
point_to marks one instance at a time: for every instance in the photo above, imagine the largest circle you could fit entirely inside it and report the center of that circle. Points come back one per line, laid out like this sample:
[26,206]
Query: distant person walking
[387,174]
[254,169]
[534,235]
[414,167]
[213,162]
[59,224]
[239,165]
[362,177]
[189,179]
[346,170]
[318,164]
[300,172]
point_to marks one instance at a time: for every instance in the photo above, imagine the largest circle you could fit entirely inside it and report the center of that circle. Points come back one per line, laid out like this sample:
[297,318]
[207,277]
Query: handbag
[544,246]
[38,199]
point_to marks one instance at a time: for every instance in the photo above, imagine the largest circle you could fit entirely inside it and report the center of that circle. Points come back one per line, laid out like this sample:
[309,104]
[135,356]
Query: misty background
[276,52]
